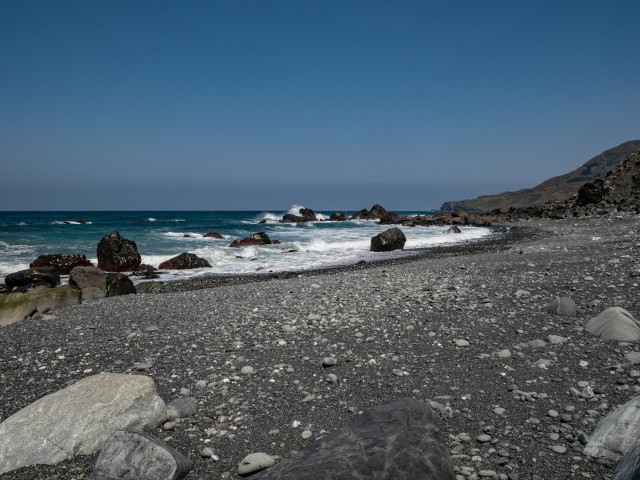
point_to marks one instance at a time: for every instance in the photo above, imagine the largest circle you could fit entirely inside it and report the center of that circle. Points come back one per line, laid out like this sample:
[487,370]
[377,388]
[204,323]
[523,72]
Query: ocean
[160,235]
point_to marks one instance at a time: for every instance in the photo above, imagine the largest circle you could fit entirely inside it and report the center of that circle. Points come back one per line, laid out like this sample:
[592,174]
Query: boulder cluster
[36,291]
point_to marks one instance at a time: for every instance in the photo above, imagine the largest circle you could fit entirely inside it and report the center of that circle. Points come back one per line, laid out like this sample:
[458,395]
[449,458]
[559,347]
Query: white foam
[295,209]
[68,222]
[177,220]
[151,219]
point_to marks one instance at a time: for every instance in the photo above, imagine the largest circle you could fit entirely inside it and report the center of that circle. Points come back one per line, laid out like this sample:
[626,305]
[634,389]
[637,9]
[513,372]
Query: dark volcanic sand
[393,329]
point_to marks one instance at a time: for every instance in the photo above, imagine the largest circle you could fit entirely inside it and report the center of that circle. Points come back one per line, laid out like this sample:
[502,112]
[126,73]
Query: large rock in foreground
[117,254]
[135,454]
[184,260]
[617,433]
[62,263]
[391,442]
[615,323]
[94,283]
[79,419]
[389,240]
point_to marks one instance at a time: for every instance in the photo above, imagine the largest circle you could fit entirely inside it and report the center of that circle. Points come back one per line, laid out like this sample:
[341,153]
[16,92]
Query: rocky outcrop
[556,189]
[117,254]
[135,454]
[616,324]
[339,217]
[33,276]
[62,263]
[184,261]
[389,240]
[259,238]
[78,419]
[453,229]
[305,215]
[19,306]
[391,442]
[619,191]
[376,213]
[617,433]
[213,235]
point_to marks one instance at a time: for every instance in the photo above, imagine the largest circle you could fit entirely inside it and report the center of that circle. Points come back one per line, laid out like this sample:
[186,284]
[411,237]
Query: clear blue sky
[331,104]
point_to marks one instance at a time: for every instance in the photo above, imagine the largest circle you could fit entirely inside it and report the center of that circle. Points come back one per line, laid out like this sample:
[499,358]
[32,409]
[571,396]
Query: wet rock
[213,235]
[184,261]
[389,240]
[117,254]
[259,238]
[63,264]
[339,217]
[452,230]
[48,276]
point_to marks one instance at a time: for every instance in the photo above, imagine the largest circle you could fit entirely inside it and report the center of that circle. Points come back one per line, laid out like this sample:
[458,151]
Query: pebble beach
[276,363]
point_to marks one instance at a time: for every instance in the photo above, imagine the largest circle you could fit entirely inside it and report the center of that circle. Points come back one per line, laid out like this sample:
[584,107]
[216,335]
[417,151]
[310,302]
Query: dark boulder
[304,215]
[361,215]
[119,284]
[183,261]
[135,454]
[591,192]
[117,254]
[339,217]
[397,441]
[62,263]
[391,218]
[376,213]
[259,238]
[452,230]
[213,235]
[389,240]
[48,276]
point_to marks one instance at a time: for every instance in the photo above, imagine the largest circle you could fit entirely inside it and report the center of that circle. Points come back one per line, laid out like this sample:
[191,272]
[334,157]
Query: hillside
[557,188]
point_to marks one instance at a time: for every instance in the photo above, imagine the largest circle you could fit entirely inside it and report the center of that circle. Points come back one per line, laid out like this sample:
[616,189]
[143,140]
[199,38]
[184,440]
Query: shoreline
[428,328]
[503,236]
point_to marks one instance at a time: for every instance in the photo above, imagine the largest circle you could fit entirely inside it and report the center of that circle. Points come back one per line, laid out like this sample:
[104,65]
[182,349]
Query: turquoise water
[161,235]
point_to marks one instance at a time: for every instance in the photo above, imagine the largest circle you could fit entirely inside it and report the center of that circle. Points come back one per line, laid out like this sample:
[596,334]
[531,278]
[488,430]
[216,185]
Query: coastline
[393,328]
[502,237]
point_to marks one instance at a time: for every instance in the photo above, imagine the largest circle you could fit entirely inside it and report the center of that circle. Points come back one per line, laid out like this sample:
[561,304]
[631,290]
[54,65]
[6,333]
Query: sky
[336,105]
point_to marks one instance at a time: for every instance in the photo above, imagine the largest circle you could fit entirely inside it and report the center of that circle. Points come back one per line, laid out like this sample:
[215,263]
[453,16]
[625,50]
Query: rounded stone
[247,370]
[254,462]
[462,343]
[484,438]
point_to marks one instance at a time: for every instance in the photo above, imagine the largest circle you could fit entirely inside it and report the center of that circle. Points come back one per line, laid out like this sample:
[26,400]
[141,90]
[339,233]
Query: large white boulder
[78,419]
